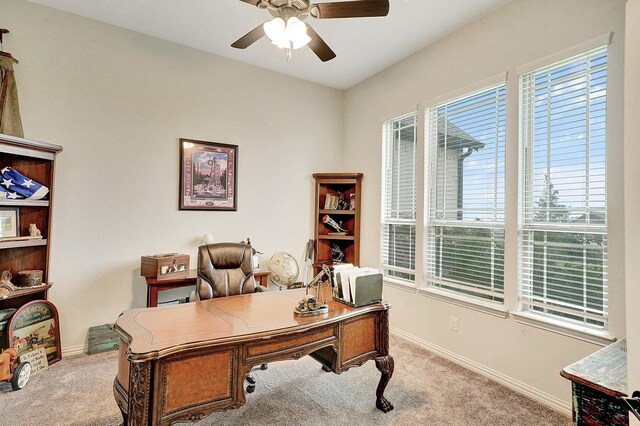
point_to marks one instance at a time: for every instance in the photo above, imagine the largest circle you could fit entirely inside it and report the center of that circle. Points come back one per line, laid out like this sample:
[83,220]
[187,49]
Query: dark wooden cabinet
[35,160]
[346,187]
[598,382]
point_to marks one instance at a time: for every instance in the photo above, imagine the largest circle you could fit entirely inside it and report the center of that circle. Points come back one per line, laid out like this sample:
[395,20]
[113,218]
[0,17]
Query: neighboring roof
[595,218]
[456,137]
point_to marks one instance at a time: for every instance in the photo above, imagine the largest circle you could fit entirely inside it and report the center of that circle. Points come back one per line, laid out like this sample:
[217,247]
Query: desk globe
[283,269]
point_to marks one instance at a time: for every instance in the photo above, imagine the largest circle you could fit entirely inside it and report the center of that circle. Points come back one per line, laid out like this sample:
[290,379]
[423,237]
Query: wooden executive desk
[183,362]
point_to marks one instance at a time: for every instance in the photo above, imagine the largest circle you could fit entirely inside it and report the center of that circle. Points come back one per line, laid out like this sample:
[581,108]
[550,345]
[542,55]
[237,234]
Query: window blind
[398,224]
[464,244]
[563,226]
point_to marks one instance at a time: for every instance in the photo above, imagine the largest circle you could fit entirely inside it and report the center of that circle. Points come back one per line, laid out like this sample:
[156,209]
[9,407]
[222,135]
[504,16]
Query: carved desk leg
[139,389]
[385,365]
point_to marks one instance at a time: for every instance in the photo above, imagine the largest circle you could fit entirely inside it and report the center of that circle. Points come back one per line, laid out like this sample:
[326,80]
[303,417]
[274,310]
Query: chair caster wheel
[250,379]
[264,367]
[326,369]
[251,388]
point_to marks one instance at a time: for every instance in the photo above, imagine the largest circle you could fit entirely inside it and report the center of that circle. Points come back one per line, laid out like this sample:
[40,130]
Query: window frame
[526,306]
[387,156]
[455,289]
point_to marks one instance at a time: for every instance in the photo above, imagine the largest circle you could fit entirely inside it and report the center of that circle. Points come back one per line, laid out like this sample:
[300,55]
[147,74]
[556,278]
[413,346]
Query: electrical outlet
[453,323]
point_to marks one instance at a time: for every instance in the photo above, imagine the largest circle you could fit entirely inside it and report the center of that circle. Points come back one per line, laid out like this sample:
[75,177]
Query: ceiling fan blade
[249,38]
[318,45]
[253,2]
[350,9]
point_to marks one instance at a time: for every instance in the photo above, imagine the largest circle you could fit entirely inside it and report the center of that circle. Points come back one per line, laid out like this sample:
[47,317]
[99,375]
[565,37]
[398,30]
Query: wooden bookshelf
[35,160]
[334,184]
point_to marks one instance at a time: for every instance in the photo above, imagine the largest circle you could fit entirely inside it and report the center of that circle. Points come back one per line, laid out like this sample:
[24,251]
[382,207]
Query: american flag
[15,186]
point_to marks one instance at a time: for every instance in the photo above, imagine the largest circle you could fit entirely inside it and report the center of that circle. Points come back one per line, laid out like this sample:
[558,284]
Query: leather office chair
[224,269]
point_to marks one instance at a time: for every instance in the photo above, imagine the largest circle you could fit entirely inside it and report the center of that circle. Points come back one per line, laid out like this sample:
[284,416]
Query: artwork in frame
[208,175]
[9,222]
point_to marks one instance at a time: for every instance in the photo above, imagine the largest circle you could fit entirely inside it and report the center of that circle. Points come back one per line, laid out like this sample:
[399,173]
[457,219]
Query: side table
[154,286]
[597,382]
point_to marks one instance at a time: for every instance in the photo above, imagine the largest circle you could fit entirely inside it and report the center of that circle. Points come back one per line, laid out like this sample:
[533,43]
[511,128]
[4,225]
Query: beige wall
[118,101]
[523,31]
[632,194]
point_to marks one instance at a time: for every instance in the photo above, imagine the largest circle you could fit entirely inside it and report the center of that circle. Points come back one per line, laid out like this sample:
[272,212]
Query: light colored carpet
[425,390]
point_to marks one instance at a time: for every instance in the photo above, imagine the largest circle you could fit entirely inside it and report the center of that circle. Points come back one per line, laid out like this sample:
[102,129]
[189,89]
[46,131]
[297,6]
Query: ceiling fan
[288,31]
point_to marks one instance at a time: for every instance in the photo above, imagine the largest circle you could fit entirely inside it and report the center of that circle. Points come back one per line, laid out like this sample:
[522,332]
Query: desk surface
[157,332]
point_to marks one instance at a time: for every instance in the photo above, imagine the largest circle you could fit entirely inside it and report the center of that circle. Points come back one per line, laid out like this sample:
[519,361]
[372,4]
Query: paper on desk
[337,279]
[344,281]
[353,276]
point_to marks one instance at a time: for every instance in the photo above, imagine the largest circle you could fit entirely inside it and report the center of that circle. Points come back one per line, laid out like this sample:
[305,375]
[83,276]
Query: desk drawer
[290,343]
[359,338]
[188,381]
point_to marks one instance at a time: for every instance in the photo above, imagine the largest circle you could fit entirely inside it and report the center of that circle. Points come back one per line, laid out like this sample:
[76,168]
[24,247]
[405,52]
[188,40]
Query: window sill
[400,285]
[585,334]
[466,302]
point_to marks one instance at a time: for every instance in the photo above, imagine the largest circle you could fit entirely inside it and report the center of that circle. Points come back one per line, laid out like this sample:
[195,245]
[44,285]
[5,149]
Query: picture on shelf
[352,202]
[208,175]
[9,222]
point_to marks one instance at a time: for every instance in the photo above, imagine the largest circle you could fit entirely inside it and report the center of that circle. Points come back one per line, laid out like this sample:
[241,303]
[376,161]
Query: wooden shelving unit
[335,183]
[34,160]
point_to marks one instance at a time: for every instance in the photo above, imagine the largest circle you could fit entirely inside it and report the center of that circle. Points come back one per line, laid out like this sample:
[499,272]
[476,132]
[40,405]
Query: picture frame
[36,325]
[208,176]
[9,222]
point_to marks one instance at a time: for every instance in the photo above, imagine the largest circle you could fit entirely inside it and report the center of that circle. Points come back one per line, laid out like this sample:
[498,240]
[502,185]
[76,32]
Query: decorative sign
[34,326]
[37,358]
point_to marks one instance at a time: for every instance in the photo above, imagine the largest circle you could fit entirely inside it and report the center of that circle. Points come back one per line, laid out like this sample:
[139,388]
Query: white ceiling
[364,46]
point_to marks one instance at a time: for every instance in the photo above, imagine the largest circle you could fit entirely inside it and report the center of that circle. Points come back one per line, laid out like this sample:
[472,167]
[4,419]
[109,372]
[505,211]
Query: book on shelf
[331,202]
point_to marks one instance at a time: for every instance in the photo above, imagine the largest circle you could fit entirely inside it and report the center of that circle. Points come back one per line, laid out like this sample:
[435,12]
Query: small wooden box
[168,266]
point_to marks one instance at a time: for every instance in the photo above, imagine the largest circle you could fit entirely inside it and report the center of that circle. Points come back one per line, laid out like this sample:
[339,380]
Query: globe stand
[310,304]
[283,270]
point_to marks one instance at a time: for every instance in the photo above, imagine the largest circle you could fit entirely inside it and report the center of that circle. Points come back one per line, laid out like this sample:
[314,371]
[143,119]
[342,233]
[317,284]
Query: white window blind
[398,233]
[563,224]
[465,143]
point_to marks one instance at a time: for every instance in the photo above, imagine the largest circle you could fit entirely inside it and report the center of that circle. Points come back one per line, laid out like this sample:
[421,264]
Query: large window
[563,216]
[398,234]
[465,146]
[557,218]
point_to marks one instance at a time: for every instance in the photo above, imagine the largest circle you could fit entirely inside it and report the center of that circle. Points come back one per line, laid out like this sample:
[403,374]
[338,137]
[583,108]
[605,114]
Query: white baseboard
[523,388]
[74,350]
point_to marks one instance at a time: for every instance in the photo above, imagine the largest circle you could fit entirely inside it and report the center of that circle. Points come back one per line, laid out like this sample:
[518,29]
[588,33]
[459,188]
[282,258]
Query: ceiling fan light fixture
[274,29]
[288,32]
[296,32]
[292,34]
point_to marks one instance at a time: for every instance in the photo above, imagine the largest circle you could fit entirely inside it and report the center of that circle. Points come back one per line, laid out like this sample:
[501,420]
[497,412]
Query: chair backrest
[224,269]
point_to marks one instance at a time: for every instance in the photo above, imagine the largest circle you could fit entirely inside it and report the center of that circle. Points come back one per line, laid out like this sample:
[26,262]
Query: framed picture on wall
[208,175]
